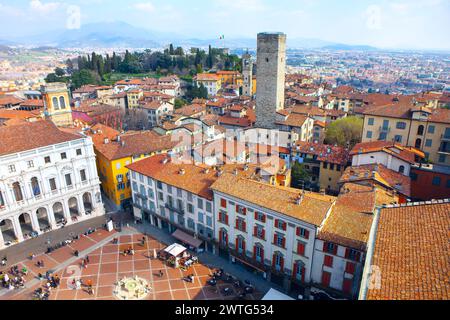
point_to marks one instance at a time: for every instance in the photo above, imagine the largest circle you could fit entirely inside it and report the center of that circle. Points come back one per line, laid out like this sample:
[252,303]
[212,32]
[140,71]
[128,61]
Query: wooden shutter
[275,236]
[306,234]
[347,253]
[263,233]
[301,248]
[226,219]
[223,203]
[254,252]
[237,244]
[295,270]
[244,226]
[324,246]
[255,231]
[350,267]
[281,264]
[297,231]
[283,242]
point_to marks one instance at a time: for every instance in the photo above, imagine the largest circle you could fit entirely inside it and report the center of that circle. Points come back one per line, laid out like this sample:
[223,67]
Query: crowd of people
[14,278]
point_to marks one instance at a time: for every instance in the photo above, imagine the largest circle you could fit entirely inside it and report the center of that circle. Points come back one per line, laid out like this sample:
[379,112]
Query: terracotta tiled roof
[19,114]
[131,144]
[294,120]
[311,110]
[31,136]
[380,174]
[324,152]
[191,109]
[8,99]
[312,209]
[392,148]
[412,251]
[33,103]
[207,77]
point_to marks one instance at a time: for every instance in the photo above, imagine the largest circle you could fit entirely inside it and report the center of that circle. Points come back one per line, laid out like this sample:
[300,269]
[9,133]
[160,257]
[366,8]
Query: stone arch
[26,224]
[87,203]
[73,207]
[7,230]
[58,212]
[43,218]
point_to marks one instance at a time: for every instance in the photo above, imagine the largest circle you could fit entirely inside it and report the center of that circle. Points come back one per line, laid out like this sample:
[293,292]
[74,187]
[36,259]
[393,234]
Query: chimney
[206,171]
[182,172]
[235,171]
[165,160]
[122,143]
[106,141]
[299,199]
[246,167]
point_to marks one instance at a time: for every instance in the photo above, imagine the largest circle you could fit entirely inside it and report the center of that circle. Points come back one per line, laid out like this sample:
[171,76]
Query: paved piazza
[108,266]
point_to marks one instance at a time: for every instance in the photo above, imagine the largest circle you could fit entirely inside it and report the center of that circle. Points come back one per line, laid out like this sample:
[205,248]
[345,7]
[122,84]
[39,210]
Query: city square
[108,265]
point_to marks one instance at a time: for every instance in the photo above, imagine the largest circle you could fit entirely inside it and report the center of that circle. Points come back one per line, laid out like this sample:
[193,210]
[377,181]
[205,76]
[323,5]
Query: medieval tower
[247,72]
[57,104]
[270,78]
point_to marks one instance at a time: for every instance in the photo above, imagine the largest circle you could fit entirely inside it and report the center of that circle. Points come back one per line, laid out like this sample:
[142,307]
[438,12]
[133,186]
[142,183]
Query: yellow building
[115,151]
[211,81]
[133,97]
[411,125]
[57,103]
[228,77]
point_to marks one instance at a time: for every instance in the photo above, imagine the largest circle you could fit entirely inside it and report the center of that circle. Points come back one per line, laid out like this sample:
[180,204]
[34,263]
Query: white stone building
[47,177]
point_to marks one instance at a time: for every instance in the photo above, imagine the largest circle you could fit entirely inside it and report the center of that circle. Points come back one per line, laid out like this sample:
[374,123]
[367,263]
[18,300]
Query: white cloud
[44,8]
[145,6]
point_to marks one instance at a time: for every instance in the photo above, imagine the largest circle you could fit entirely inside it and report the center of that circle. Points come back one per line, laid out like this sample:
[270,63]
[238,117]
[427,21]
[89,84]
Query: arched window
[278,261]
[35,186]
[17,191]
[420,130]
[418,143]
[62,102]
[55,103]
[401,169]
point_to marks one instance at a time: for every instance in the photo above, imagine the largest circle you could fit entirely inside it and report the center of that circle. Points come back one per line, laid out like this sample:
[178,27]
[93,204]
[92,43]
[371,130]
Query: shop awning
[185,238]
[175,249]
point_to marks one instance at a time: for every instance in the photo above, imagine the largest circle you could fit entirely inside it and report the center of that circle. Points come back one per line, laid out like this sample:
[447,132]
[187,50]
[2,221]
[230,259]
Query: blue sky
[423,24]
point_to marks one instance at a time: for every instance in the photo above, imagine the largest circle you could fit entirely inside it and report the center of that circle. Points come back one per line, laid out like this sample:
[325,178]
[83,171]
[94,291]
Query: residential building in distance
[211,81]
[404,122]
[324,163]
[407,241]
[430,181]
[48,179]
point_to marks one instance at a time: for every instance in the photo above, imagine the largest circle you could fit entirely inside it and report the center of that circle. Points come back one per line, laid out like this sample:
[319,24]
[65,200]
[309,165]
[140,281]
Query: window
[223,217]
[240,244]
[259,216]
[55,103]
[17,190]
[30,164]
[63,156]
[370,121]
[200,203]
[200,217]
[369,135]
[83,175]
[62,103]
[169,189]
[280,224]
[79,153]
[301,248]
[420,130]
[35,186]
[401,169]
[179,193]
[160,196]
[329,247]
[190,208]
[442,158]
[448,183]
[401,125]
[279,240]
[431,129]
[259,232]
[436,181]
[11,168]
[68,180]
[159,185]
[258,253]
[398,138]
[350,267]
[328,261]
[352,254]
[241,225]
[118,166]
[52,183]
[208,207]
[301,232]
[241,210]
[325,165]
[208,221]
[47,159]
[428,143]
[278,261]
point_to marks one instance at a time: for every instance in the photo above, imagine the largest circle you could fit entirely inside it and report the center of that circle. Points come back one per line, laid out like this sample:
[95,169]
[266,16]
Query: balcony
[174,209]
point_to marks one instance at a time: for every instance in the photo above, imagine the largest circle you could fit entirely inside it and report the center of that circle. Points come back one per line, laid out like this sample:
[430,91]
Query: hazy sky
[382,23]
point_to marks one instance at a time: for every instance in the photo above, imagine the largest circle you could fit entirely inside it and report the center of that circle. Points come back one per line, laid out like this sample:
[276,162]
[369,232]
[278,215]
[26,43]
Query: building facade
[46,182]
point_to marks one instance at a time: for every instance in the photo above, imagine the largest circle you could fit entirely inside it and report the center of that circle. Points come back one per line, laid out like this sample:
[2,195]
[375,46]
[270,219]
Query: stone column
[34,222]
[2,242]
[17,229]
[66,211]
[81,208]
[51,218]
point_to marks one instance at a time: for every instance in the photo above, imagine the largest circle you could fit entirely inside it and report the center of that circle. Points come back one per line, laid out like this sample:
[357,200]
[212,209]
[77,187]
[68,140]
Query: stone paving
[108,265]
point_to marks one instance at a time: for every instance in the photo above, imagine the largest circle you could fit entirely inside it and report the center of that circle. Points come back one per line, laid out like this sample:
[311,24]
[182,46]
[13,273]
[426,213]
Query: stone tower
[247,73]
[57,103]
[270,78]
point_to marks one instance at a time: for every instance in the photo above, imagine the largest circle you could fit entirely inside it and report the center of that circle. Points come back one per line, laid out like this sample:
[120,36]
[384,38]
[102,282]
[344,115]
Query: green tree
[344,132]
[59,72]
[299,176]
[179,103]
[84,77]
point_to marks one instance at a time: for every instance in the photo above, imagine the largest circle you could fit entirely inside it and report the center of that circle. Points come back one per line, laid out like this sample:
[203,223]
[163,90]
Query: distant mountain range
[124,35]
